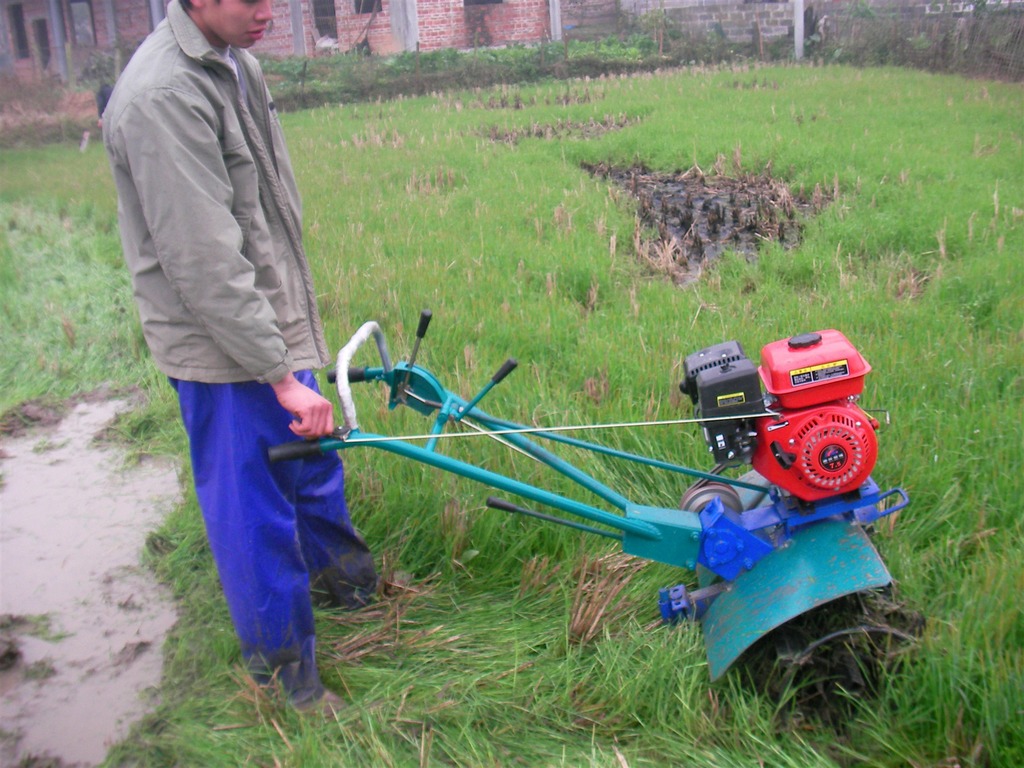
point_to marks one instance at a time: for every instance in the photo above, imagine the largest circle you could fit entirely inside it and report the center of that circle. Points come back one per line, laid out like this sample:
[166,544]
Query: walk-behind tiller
[783,539]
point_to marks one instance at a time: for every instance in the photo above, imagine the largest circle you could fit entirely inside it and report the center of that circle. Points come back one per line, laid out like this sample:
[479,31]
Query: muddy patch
[82,623]
[685,220]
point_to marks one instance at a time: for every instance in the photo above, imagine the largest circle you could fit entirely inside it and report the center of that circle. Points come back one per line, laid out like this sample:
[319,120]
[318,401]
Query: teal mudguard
[821,562]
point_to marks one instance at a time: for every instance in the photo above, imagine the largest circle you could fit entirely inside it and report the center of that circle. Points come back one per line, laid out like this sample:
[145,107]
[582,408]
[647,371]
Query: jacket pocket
[244,222]
[259,250]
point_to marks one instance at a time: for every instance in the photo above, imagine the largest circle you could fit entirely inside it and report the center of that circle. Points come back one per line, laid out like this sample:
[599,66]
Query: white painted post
[157,11]
[60,43]
[298,33]
[798,29]
[111,14]
[555,7]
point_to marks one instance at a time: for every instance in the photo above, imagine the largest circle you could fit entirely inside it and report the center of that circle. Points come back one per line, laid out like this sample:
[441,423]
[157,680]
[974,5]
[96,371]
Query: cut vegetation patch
[506,98]
[684,220]
[562,129]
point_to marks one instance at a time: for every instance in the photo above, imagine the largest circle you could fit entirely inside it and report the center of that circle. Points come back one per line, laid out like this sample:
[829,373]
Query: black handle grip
[355,375]
[421,329]
[506,368]
[300,449]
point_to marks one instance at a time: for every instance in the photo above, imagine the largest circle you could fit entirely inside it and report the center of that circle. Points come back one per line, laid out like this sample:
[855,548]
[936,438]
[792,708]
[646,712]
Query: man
[211,227]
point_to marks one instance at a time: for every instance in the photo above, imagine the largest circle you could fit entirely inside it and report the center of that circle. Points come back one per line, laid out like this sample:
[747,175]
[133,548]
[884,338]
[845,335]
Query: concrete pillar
[555,8]
[798,29]
[298,32]
[6,54]
[157,11]
[111,14]
[405,24]
[60,49]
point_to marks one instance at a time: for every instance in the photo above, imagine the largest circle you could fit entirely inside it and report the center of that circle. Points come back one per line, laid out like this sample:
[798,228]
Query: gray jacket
[209,213]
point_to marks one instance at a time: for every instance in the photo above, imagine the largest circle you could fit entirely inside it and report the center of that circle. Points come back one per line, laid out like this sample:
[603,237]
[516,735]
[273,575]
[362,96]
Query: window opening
[82,23]
[19,32]
[42,41]
[325,18]
[367,6]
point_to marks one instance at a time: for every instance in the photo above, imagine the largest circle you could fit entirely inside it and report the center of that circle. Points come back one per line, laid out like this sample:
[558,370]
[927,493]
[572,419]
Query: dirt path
[81,623]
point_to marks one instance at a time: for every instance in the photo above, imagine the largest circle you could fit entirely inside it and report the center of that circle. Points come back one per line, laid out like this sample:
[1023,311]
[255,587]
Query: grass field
[477,205]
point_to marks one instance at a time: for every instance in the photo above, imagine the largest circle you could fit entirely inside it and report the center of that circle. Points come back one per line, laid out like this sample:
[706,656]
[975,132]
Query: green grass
[519,252]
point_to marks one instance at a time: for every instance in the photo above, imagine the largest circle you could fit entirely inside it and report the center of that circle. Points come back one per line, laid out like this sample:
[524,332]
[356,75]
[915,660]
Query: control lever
[421,331]
[506,368]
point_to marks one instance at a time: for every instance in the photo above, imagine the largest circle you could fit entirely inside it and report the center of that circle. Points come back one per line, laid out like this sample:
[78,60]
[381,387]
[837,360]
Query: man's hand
[314,414]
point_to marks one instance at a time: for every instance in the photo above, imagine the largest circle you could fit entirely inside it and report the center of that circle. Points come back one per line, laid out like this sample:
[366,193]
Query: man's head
[240,23]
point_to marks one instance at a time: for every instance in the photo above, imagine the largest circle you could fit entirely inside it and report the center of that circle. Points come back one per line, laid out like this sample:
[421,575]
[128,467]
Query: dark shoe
[330,704]
[333,588]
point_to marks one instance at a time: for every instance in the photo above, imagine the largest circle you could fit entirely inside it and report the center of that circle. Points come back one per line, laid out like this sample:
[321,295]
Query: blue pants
[275,530]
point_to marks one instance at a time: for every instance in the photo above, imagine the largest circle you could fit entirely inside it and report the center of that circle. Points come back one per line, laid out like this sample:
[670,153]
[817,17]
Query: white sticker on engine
[816,374]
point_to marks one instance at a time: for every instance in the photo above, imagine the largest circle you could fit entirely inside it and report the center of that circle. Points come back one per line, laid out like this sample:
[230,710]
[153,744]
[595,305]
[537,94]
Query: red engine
[821,444]
[817,452]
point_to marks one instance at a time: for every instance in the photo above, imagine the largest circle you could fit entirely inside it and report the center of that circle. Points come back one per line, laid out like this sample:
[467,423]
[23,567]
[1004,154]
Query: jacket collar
[192,42]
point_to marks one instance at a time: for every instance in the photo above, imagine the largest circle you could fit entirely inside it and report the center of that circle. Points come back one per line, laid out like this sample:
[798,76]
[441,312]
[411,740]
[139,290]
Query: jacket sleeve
[170,139]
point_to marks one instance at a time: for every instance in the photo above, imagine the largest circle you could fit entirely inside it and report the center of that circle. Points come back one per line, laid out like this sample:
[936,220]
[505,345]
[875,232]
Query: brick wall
[451,24]
[440,23]
[373,28]
[597,15]
[32,11]
[133,22]
[738,20]
[744,20]
[280,40]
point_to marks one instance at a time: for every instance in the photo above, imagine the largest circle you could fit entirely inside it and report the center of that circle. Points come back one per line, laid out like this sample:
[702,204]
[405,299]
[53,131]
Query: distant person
[102,97]
[211,228]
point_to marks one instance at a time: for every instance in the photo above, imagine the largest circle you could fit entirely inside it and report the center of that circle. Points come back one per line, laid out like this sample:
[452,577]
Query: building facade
[40,38]
[58,38]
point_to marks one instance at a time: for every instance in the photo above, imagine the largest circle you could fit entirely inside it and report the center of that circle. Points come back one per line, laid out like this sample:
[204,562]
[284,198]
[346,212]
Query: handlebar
[299,449]
[355,375]
[342,370]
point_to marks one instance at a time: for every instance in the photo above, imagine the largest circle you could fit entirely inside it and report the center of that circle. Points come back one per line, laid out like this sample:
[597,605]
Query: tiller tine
[820,563]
